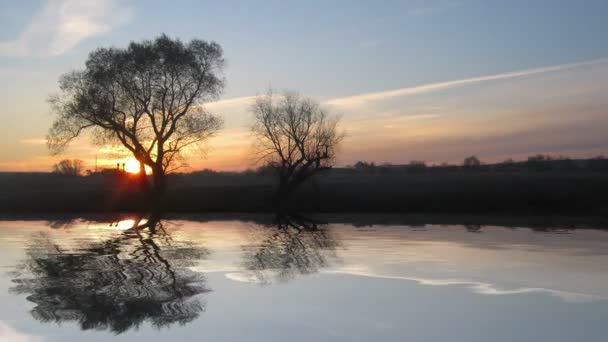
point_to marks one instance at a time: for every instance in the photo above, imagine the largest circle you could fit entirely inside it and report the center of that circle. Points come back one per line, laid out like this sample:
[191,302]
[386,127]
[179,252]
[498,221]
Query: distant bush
[69,167]
[471,162]
[540,162]
[416,166]
[365,166]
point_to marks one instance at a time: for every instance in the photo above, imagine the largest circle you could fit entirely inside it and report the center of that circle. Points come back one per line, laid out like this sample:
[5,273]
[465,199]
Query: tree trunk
[142,178]
[160,183]
[282,195]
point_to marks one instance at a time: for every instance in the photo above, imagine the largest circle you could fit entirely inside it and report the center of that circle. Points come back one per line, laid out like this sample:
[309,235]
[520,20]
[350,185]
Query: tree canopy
[147,97]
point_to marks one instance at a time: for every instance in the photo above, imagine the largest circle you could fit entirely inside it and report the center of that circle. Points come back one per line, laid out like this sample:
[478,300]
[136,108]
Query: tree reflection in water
[293,245]
[140,275]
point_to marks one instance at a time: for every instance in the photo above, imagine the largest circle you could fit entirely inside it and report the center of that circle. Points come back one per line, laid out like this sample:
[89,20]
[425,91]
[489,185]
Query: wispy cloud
[431,87]
[61,24]
[231,101]
[33,141]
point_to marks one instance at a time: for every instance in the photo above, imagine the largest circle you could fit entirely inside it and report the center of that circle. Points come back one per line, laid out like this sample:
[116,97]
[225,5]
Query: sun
[132,166]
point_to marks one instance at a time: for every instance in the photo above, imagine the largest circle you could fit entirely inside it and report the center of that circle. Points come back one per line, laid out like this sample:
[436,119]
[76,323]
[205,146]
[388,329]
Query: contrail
[427,88]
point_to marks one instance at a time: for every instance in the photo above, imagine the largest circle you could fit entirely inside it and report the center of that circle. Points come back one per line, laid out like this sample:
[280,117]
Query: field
[463,191]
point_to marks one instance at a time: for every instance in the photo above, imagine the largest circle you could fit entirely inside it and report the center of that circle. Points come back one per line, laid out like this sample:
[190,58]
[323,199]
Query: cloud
[61,24]
[246,277]
[9,334]
[245,100]
[481,288]
[234,110]
[431,87]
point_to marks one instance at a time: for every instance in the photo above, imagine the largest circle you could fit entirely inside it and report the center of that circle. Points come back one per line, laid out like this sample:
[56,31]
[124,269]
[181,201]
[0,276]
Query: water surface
[299,280]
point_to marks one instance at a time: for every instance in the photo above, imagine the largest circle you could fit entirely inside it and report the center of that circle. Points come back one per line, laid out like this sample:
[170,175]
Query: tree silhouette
[69,167]
[295,136]
[141,275]
[147,98]
[471,162]
[293,245]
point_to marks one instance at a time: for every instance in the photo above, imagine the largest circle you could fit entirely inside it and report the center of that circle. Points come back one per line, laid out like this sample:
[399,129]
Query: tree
[416,166]
[471,162]
[69,167]
[295,136]
[365,166]
[147,97]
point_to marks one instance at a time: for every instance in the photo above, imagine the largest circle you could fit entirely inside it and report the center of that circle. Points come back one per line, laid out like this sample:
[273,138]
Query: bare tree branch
[294,136]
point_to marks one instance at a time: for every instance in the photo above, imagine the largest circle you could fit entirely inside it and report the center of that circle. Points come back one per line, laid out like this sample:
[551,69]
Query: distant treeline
[537,162]
[534,163]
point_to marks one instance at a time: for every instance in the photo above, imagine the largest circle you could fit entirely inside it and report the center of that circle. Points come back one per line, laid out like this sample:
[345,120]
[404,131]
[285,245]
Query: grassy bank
[474,192]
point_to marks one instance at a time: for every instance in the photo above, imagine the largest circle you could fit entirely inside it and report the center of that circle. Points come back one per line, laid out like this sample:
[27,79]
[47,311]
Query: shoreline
[355,219]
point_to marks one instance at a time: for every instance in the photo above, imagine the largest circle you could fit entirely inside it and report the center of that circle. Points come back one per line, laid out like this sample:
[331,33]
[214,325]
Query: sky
[411,80]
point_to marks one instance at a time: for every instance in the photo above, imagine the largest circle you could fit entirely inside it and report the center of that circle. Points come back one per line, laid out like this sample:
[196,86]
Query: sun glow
[128,224]
[131,165]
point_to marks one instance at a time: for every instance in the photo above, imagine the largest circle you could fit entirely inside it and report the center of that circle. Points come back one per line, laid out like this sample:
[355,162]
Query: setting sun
[132,166]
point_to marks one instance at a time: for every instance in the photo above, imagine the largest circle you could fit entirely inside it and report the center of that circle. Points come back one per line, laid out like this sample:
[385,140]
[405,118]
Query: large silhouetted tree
[147,97]
[295,136]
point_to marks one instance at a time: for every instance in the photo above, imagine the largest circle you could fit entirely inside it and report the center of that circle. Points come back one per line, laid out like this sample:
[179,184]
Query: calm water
[296,280]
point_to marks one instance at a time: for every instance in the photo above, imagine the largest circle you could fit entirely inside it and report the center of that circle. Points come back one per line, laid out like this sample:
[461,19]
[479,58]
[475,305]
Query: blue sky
[333,50]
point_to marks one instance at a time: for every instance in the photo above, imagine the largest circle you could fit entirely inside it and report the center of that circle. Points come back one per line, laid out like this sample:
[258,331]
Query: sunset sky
[412,80]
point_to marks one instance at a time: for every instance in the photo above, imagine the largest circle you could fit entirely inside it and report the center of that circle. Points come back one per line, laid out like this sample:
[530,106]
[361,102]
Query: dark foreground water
[297,280]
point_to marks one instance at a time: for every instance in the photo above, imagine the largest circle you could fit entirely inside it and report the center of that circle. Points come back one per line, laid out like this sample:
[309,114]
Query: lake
[223,278]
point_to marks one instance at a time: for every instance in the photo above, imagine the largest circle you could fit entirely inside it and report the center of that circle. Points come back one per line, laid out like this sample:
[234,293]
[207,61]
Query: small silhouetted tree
[69,167]
[471,162]
[295,136]
[365,166]
[147,97]
[416,166]
[539,162]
